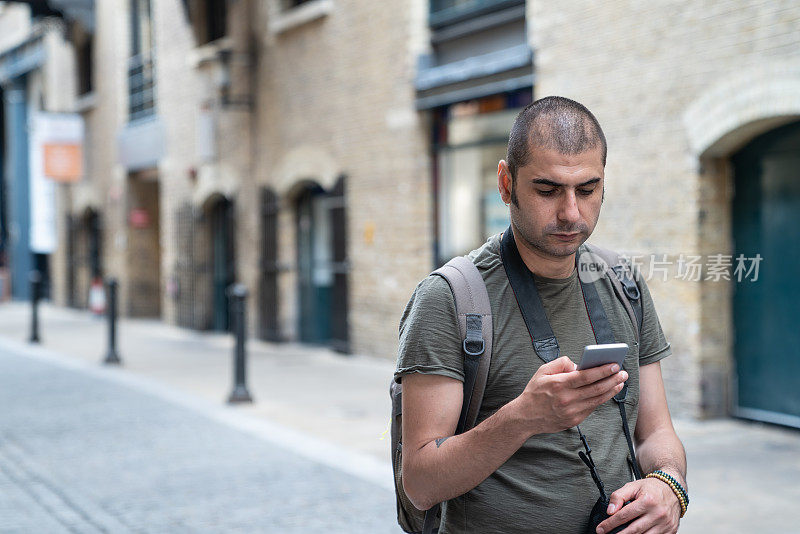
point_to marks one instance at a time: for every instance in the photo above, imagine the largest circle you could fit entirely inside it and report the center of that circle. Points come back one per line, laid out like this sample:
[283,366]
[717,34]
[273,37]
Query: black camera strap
[544,340]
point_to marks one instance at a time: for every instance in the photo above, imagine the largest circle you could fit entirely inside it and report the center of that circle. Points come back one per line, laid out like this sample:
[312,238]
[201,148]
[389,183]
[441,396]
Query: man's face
[558,199]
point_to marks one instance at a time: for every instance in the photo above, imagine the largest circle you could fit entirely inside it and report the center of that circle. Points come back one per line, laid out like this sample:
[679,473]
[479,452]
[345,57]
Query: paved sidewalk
[341,399]
[743,476]
[85,450]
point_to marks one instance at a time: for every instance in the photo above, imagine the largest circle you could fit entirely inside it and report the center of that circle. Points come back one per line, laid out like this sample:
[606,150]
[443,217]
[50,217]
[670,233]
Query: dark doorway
[268,283]
[766,212]
[340,340]
[322,267]
[223,272]
[144,245]
[84,253]
[72,274]
[313,267]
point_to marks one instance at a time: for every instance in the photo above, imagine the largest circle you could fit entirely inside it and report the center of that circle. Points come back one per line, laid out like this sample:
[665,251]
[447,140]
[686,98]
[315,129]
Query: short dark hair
[555,123]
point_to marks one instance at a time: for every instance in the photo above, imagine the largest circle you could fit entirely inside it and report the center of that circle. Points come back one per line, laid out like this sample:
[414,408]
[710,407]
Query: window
[472,137]
[141,79]
[444,12]
[288,4]
[84,53]
[210,20]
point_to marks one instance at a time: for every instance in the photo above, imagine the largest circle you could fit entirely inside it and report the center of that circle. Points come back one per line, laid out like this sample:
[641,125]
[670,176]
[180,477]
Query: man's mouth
[567,237]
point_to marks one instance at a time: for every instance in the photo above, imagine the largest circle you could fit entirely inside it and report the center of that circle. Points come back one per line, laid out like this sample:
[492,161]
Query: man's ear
[504,183]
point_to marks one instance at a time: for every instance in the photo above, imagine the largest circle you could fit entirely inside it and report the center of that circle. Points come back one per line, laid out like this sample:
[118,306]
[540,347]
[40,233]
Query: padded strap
[628,292]
[530,304]
[597,314]
[622,280]
[475,322]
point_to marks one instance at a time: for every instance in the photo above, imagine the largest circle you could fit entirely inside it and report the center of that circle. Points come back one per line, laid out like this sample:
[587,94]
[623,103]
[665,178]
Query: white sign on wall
[47,130]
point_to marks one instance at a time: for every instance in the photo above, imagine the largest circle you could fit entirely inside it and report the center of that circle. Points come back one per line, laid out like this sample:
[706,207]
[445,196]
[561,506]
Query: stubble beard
[539,241]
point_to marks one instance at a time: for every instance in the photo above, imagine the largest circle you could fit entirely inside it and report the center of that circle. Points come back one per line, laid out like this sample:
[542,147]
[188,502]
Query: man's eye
[586,192]
[546,192]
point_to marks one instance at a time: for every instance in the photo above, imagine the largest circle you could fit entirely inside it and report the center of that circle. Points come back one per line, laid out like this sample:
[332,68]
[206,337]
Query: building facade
[330,153]
[684,93]
[37,95]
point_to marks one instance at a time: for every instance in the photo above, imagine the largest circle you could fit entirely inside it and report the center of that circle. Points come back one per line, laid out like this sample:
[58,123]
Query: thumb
[618,499]
[561,365]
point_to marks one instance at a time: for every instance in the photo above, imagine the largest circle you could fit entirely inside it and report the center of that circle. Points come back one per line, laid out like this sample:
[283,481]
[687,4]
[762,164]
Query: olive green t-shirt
[544,487]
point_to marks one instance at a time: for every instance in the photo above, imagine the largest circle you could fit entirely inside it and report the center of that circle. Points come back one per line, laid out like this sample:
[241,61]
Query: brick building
[690,96]
[36,95]
[329,153]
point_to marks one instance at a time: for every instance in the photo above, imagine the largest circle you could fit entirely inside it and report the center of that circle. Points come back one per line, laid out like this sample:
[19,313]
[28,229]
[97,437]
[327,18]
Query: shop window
[472,137]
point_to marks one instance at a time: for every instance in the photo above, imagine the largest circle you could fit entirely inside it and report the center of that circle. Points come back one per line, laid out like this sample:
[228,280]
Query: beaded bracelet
[678,484]
[675,486]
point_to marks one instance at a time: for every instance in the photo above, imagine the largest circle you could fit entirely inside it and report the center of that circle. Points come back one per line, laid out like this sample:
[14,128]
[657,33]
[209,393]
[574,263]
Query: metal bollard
[111,312]
[36,288]
[238,294]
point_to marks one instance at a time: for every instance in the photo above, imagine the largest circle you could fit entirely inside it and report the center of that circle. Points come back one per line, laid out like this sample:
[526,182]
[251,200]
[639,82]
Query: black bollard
[237,294]
[36,288]
[111,312]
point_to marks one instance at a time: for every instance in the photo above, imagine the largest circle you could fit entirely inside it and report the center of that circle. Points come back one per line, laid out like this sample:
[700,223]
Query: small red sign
[139,218]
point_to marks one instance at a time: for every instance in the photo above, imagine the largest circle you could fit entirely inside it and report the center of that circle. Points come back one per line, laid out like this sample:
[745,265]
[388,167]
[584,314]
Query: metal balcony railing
[141,87]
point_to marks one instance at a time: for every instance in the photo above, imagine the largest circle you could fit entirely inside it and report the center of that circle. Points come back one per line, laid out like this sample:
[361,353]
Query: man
[518,469]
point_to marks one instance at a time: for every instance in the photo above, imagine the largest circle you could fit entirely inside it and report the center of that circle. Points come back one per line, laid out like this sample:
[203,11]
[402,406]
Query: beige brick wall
[341,85]
[186,85]
[640,67]
[180,93]
[104,112]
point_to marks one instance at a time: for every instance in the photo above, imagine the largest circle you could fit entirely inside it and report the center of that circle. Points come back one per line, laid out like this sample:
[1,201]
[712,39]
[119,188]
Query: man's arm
[438,466]
[653,507]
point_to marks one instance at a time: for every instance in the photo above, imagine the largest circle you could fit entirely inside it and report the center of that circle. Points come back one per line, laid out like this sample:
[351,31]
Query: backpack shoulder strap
[622,278]
[475,323]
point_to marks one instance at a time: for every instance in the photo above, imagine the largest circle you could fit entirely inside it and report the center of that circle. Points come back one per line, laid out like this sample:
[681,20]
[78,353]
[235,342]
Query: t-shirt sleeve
[653,345]
[430,341]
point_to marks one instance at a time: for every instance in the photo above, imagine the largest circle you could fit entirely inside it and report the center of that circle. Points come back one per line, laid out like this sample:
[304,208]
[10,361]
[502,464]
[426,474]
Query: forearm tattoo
[440,441]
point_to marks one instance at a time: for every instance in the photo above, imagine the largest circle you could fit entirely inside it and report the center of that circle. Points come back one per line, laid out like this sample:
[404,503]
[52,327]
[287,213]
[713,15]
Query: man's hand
[653,508]
[559,396]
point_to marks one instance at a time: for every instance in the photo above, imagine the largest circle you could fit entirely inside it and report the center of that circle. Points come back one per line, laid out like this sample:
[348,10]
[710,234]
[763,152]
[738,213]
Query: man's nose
[568,210]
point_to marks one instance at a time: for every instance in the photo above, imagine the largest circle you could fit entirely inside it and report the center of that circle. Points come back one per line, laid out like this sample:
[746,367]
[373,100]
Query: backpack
[475,324]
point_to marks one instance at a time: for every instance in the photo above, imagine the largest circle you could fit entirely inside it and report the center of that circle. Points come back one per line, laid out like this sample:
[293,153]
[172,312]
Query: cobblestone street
[83,454]
[151,446]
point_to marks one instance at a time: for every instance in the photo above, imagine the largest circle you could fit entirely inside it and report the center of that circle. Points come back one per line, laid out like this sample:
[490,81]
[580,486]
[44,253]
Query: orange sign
[63,162]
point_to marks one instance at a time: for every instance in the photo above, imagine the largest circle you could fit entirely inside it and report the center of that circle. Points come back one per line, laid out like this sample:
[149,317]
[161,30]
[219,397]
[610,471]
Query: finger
[587,406]
[602,386]
[642,525]
[629,512]
[558,366]
[589,376]
[626,493]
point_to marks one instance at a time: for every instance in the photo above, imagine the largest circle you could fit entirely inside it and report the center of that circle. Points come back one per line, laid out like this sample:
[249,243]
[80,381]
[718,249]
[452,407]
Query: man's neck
[542,264]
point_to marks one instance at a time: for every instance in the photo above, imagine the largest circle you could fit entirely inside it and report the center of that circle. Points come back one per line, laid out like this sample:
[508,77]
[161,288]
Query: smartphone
[595,355]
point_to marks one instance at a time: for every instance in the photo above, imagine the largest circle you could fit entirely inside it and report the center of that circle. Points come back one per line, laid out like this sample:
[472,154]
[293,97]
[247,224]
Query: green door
[766,221]
[222,263]
[315,276]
